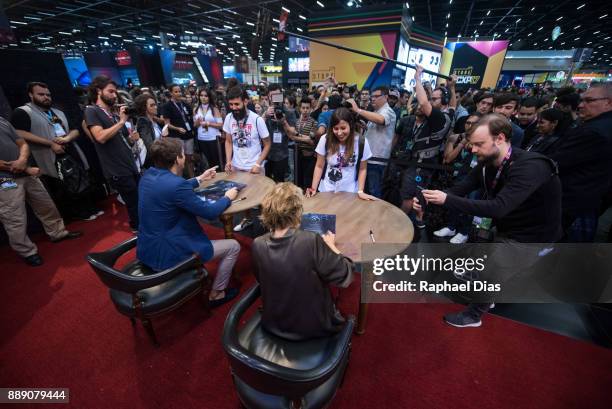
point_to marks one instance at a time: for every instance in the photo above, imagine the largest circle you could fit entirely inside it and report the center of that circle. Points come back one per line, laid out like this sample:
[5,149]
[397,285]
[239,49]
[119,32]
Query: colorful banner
[352,68]
[476,63]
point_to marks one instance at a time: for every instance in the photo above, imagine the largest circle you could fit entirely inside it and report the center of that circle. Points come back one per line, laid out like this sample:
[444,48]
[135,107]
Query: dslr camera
[277,99]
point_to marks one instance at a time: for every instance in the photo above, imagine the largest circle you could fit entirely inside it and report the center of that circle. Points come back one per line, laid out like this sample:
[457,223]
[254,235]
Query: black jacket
[145,130]
[584,156]
[294,273]
[526,203]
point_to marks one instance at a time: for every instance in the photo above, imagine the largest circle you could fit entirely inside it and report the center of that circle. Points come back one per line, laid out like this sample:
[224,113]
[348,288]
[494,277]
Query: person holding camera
[113,143]
[279,121]
[379,133]
[521,203]
[416,148]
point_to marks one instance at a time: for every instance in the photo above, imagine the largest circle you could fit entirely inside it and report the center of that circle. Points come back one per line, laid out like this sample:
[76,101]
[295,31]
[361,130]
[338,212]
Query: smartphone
[419,195]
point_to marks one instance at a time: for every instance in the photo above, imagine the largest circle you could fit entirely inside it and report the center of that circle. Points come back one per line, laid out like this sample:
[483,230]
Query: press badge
[59,130]
[277,137]
[8,185]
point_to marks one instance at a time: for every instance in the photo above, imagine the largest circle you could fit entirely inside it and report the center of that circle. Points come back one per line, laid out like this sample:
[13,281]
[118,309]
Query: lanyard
[108,114]
[180,111]
[500,169]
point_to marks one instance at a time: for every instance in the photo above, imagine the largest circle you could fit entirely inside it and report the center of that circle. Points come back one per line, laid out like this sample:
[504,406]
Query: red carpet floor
[59,329]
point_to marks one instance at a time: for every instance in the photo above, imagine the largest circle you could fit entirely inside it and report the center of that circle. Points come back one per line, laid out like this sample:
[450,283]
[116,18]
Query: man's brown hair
[163,152]
[497,124]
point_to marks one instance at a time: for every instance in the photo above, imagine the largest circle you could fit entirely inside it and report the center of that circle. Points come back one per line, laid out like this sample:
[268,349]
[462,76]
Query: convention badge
[59,130]
[277,137]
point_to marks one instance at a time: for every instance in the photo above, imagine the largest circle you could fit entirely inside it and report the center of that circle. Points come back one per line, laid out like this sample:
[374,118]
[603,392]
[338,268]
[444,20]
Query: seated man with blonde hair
[294,268]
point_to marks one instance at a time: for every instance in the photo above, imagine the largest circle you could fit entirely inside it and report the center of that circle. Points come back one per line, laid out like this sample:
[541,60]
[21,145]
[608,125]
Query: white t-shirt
[211,133]
[340,173]
[246,139]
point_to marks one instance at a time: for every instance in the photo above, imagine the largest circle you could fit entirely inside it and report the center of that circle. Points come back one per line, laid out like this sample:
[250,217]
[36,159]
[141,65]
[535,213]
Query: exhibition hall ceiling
[230,25]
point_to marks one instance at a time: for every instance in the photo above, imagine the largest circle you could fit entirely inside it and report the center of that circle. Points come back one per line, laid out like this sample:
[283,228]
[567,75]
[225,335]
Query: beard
[110,101]
[43,104]
[239,113]
[487,160]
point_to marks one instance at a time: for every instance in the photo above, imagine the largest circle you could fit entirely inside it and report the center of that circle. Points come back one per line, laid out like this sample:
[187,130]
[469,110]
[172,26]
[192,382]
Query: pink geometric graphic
[489,48]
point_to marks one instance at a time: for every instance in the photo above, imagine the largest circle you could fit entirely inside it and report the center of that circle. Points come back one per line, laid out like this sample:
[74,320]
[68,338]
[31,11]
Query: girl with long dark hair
[208,122]
[342,157]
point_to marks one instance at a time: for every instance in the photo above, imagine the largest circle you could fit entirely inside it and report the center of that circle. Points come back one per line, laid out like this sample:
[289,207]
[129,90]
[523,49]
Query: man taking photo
[522,201]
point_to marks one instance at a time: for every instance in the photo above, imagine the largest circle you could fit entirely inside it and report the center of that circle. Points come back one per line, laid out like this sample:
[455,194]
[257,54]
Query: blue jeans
[375,179]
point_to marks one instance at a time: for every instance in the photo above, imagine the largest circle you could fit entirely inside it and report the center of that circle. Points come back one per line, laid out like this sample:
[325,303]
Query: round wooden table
[354,220]
[257,186]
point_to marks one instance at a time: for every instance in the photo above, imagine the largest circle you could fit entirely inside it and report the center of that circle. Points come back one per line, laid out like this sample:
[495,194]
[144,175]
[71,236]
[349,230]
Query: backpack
[72,174]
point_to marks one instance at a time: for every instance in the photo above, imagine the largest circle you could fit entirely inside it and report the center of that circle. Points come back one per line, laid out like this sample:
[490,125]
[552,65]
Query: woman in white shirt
[337,155]
[208,122]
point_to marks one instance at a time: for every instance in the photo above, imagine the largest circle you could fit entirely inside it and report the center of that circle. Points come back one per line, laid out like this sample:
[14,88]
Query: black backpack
[72,174]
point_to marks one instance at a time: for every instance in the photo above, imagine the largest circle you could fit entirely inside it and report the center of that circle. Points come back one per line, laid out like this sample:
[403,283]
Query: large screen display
[179,68]
[77,71]
[299,64]
[430,60]
[402,54]
[297,45]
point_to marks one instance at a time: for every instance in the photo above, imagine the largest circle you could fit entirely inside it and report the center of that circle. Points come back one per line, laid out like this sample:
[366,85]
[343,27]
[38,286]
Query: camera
[130,110]
[277,100]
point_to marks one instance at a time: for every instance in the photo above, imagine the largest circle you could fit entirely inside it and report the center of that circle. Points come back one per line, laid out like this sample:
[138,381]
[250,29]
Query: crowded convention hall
[306,204]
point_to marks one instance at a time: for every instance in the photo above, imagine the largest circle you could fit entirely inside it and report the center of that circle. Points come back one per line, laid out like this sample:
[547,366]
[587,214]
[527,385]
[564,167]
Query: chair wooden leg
[227,220]
[146,323]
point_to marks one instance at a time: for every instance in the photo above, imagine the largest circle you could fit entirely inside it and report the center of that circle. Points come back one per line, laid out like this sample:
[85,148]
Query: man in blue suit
[169,231]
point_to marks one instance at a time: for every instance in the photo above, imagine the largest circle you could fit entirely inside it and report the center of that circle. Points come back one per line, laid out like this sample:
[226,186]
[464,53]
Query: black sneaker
[34,260]
[462,319]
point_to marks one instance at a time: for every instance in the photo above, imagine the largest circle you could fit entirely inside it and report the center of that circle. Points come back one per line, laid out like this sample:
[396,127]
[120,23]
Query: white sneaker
[444,232]
[99,213]
[243,224]
[459,239]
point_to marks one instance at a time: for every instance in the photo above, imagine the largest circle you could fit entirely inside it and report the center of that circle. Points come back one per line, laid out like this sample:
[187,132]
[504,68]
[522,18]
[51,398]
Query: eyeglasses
[376,96]
[588,100]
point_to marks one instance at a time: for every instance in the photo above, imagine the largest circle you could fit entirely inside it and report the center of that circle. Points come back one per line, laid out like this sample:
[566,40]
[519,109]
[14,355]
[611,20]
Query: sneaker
[88,218]
[445,232]
[459,239]
[462,319]
[243,224]
[99,213]
[120,200]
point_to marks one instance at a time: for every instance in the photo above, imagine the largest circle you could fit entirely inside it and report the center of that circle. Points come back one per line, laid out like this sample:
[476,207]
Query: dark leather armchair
[139,292]
[271,372]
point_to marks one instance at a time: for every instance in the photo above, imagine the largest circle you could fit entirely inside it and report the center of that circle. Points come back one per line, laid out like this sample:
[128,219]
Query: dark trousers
[70,205]
[127,186]
[210,149]
[277,169]
[305,169]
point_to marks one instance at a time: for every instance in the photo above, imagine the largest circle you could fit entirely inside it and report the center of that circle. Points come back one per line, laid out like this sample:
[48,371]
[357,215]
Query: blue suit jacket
[168,230]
